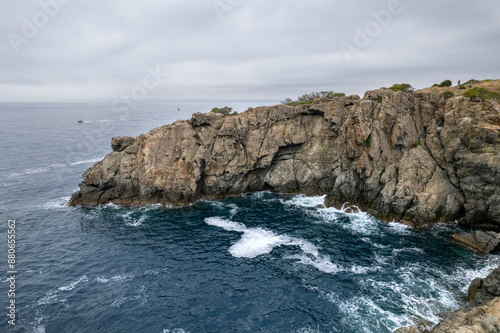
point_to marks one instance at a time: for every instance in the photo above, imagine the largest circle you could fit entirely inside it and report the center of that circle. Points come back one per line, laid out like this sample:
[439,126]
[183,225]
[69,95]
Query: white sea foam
[233,211]
[308,330]
[305,201]
[321,263]
[259,241]
[358,221]
[32,171]
[40,329]
[175,330]
[29,172]
[260,195]
[256,241]
[422,292]
[141,297]
[382,260]
[117,278]
[133,222]
[362,310]
[48,298]
[73,284]
[56,203]
[399,228]
[372,243]
[90,161]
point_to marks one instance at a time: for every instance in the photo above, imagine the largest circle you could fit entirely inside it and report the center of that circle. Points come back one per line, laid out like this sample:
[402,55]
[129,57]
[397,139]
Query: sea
[257,262]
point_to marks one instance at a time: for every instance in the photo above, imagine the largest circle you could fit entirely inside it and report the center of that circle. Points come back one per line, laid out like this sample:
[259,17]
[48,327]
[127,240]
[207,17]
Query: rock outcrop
[480,319]
[415,157]
[482,291]
[484,241]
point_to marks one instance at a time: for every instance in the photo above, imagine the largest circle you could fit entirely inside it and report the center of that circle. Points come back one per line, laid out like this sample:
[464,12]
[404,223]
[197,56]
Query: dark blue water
[259,262]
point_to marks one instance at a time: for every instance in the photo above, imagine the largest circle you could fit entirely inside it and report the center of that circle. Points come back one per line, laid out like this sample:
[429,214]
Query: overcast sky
[239,49]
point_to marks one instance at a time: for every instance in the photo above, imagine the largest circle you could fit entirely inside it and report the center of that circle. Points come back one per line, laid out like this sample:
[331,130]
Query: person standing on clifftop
[458,81]
[470,84]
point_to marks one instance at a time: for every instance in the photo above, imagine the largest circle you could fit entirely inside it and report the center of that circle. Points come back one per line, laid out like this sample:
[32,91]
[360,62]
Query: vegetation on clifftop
[402,87]
[481,93]
[225,111]
[309,98]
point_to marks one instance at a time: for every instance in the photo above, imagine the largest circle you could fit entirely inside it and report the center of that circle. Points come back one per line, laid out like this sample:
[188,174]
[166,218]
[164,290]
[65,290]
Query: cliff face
[411,157]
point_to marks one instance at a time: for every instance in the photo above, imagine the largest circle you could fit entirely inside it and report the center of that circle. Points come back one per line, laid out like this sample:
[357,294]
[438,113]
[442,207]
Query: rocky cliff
[413,157]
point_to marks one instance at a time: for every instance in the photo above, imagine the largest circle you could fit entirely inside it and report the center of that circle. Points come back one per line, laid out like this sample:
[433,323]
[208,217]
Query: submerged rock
[411,157]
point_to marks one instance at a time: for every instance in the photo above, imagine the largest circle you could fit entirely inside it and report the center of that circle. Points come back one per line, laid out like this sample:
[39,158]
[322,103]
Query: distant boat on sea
[178,108]
[80,121]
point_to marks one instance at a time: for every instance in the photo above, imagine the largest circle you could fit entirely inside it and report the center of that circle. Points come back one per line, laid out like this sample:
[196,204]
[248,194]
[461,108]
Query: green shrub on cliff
[309,98]
[446,83]
[481,93]
[300,103]
[416,144]
[471,80]
[402,87]
[448,94]
[225,110]
[368,141]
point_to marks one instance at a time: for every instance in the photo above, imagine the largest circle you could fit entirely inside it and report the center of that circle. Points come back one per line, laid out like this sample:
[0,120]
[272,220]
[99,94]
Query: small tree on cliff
[446,83]
[402,87]
[225,110]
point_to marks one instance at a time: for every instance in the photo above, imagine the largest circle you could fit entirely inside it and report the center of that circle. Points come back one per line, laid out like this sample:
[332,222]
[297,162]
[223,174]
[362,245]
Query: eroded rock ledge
[411,157]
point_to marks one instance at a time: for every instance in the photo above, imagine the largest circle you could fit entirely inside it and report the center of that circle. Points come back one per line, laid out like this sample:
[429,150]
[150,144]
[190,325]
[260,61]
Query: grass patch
[416,144]
[379,99]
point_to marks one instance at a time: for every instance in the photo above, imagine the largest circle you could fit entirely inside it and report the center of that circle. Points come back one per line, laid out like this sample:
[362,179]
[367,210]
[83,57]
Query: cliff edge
[413,157]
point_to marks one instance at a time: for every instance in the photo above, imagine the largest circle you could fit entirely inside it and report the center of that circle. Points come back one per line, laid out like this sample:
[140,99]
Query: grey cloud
[259,50]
